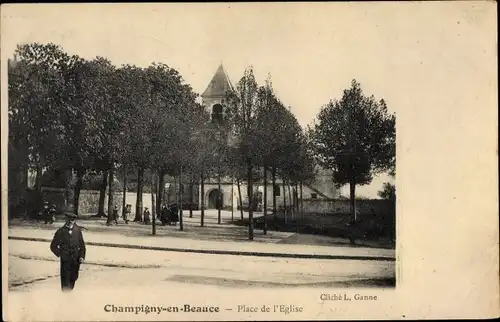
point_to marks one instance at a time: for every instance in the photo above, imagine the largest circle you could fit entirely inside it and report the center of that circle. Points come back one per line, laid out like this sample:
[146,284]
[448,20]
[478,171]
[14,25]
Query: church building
[212,100]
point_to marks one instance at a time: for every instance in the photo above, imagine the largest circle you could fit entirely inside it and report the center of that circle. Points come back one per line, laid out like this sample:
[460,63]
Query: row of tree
[78,117]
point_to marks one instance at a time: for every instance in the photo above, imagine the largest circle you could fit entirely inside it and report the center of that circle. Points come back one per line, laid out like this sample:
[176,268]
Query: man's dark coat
[69,246]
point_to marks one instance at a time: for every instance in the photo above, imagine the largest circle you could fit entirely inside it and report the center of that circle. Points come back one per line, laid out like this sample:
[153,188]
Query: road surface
[119,267]
[120,276]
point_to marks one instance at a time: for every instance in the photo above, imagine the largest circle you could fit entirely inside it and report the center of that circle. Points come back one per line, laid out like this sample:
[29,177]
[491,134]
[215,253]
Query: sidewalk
[136,236]
[226,230]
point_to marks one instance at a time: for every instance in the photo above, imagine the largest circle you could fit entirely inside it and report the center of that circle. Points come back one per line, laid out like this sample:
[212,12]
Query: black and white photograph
[182,150]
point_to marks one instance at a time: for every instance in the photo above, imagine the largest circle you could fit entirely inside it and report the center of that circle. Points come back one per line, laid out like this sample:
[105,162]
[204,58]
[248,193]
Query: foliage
[68,114]
[241,118]
[355,137]
[388,191]
[241,115]
[37,100]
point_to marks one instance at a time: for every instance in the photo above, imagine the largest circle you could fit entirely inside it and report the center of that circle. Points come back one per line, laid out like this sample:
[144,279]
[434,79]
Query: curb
[221,252]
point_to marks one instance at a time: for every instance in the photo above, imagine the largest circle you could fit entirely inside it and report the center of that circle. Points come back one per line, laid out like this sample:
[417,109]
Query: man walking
[69,246]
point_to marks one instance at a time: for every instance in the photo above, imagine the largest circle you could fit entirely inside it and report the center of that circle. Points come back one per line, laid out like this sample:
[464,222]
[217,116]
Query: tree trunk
[160,191]
[153,193]
[191,197]
[102,194]
[181,194]
[265,200]
[202,198]
[124,201]
[176,191]
[291,200]
[38,178]
[110,194]
[352,195]
[239,197]
[296,198]
[274,192]
[301,202]
[219,197]
[25,178]
[250,199]
[284,200]
[138,203]
[153,202]
[232,200]
[78,187]
[70,197]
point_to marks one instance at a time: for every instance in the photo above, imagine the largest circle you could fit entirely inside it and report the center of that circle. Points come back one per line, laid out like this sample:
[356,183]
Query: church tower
[213,96]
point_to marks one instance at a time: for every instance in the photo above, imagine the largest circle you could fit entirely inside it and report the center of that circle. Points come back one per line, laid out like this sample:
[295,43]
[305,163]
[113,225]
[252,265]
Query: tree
[46,96]
[74,115]
[175,117]
[354,137]
[273,125]
[388,191]
[241,116]
[307,172]
[203,157]
[34,103]
[197,149]
[91,101]
[289,162]
[131,98]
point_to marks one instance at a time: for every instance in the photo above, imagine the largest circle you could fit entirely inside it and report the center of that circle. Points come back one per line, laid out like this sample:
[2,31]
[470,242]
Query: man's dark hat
[70,212]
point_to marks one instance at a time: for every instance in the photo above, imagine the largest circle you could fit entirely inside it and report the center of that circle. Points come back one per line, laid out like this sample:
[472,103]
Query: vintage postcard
[249,161]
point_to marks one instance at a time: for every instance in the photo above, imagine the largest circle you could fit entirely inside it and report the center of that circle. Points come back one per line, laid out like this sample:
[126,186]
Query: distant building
[322,188]
[213,96]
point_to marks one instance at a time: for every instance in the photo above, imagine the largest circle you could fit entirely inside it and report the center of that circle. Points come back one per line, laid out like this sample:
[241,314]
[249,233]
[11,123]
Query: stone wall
[375,218]
[340,206]
[89,200]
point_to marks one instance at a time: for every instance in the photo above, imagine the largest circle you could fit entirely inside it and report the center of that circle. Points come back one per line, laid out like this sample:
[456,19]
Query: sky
[402,52]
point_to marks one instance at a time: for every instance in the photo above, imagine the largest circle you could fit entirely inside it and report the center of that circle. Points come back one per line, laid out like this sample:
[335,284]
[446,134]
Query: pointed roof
[219,84]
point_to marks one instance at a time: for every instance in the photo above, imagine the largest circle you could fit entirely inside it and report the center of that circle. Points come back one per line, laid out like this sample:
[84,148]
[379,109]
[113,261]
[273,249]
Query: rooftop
[219,84]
